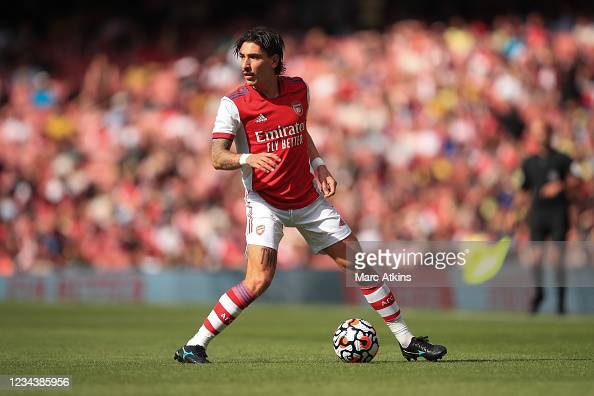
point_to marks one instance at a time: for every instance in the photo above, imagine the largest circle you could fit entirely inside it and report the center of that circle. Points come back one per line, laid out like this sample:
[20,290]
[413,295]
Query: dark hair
[270,41]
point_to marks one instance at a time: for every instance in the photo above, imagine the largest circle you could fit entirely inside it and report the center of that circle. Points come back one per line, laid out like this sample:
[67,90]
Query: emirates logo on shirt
[298,108]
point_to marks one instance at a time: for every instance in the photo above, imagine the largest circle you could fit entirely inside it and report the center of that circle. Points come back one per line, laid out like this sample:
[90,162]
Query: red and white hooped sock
[383,301]
[223,314]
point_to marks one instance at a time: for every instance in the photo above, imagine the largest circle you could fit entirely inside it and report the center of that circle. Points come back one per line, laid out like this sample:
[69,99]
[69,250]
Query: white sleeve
[227,121]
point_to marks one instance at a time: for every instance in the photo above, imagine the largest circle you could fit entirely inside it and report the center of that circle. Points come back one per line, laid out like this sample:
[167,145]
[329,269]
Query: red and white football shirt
[278,125]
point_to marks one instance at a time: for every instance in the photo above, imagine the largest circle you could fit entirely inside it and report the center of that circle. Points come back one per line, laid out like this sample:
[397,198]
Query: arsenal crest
[260,229]
[298,108]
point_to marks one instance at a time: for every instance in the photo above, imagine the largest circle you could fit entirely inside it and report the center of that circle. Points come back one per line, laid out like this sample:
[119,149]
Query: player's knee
[344,263]
[258,284]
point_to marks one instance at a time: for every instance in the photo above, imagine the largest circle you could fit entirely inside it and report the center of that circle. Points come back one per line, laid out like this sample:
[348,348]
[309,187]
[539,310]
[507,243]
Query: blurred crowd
[105,159]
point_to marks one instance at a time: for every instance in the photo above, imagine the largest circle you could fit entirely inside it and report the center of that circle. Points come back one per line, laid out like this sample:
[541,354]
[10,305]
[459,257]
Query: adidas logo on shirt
[261,118]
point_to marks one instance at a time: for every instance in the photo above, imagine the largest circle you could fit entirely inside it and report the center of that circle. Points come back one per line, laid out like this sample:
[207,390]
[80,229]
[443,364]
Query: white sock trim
[203,337]
[400,331]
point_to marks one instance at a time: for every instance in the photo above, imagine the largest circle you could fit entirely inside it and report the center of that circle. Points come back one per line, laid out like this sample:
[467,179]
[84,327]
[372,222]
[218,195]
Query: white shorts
[319,223]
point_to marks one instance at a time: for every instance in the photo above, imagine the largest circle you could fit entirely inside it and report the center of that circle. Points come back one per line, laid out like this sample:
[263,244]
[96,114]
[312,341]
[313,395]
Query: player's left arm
[569,183]
[573,185]
[574,180]
[327,181]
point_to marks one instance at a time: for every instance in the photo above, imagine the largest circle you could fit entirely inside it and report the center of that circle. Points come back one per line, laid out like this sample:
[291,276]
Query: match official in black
[547,178]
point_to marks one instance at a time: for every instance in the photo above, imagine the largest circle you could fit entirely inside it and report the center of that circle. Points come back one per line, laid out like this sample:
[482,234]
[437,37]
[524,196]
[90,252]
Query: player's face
[542,136]
[257,67]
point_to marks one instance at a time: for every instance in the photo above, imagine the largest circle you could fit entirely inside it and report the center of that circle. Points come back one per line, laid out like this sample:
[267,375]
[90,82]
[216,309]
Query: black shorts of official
[546,223]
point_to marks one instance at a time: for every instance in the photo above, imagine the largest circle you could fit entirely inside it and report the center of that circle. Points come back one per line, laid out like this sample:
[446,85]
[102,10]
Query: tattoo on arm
[268,258]
[222,157]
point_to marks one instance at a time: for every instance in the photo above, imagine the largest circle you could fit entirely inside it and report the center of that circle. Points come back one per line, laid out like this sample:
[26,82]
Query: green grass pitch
[287,350]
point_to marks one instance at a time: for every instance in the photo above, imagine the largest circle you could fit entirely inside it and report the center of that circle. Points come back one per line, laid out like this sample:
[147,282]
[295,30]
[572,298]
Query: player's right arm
[224,159]
[221,155]
[227,124]
[521,199]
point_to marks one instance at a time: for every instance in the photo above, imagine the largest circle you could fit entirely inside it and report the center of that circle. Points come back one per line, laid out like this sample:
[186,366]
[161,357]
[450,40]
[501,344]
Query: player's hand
[266,162]
[551,189]
[327,181]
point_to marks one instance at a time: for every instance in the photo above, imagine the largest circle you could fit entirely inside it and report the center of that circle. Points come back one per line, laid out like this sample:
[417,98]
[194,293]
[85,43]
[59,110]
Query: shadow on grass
[383,362]
[527,359]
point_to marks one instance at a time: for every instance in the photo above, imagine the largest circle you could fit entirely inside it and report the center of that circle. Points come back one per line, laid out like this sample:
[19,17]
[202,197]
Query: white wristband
[243,159]
[317,162]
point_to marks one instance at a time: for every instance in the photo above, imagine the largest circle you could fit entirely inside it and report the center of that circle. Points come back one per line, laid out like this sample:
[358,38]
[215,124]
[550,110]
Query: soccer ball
[355,341]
